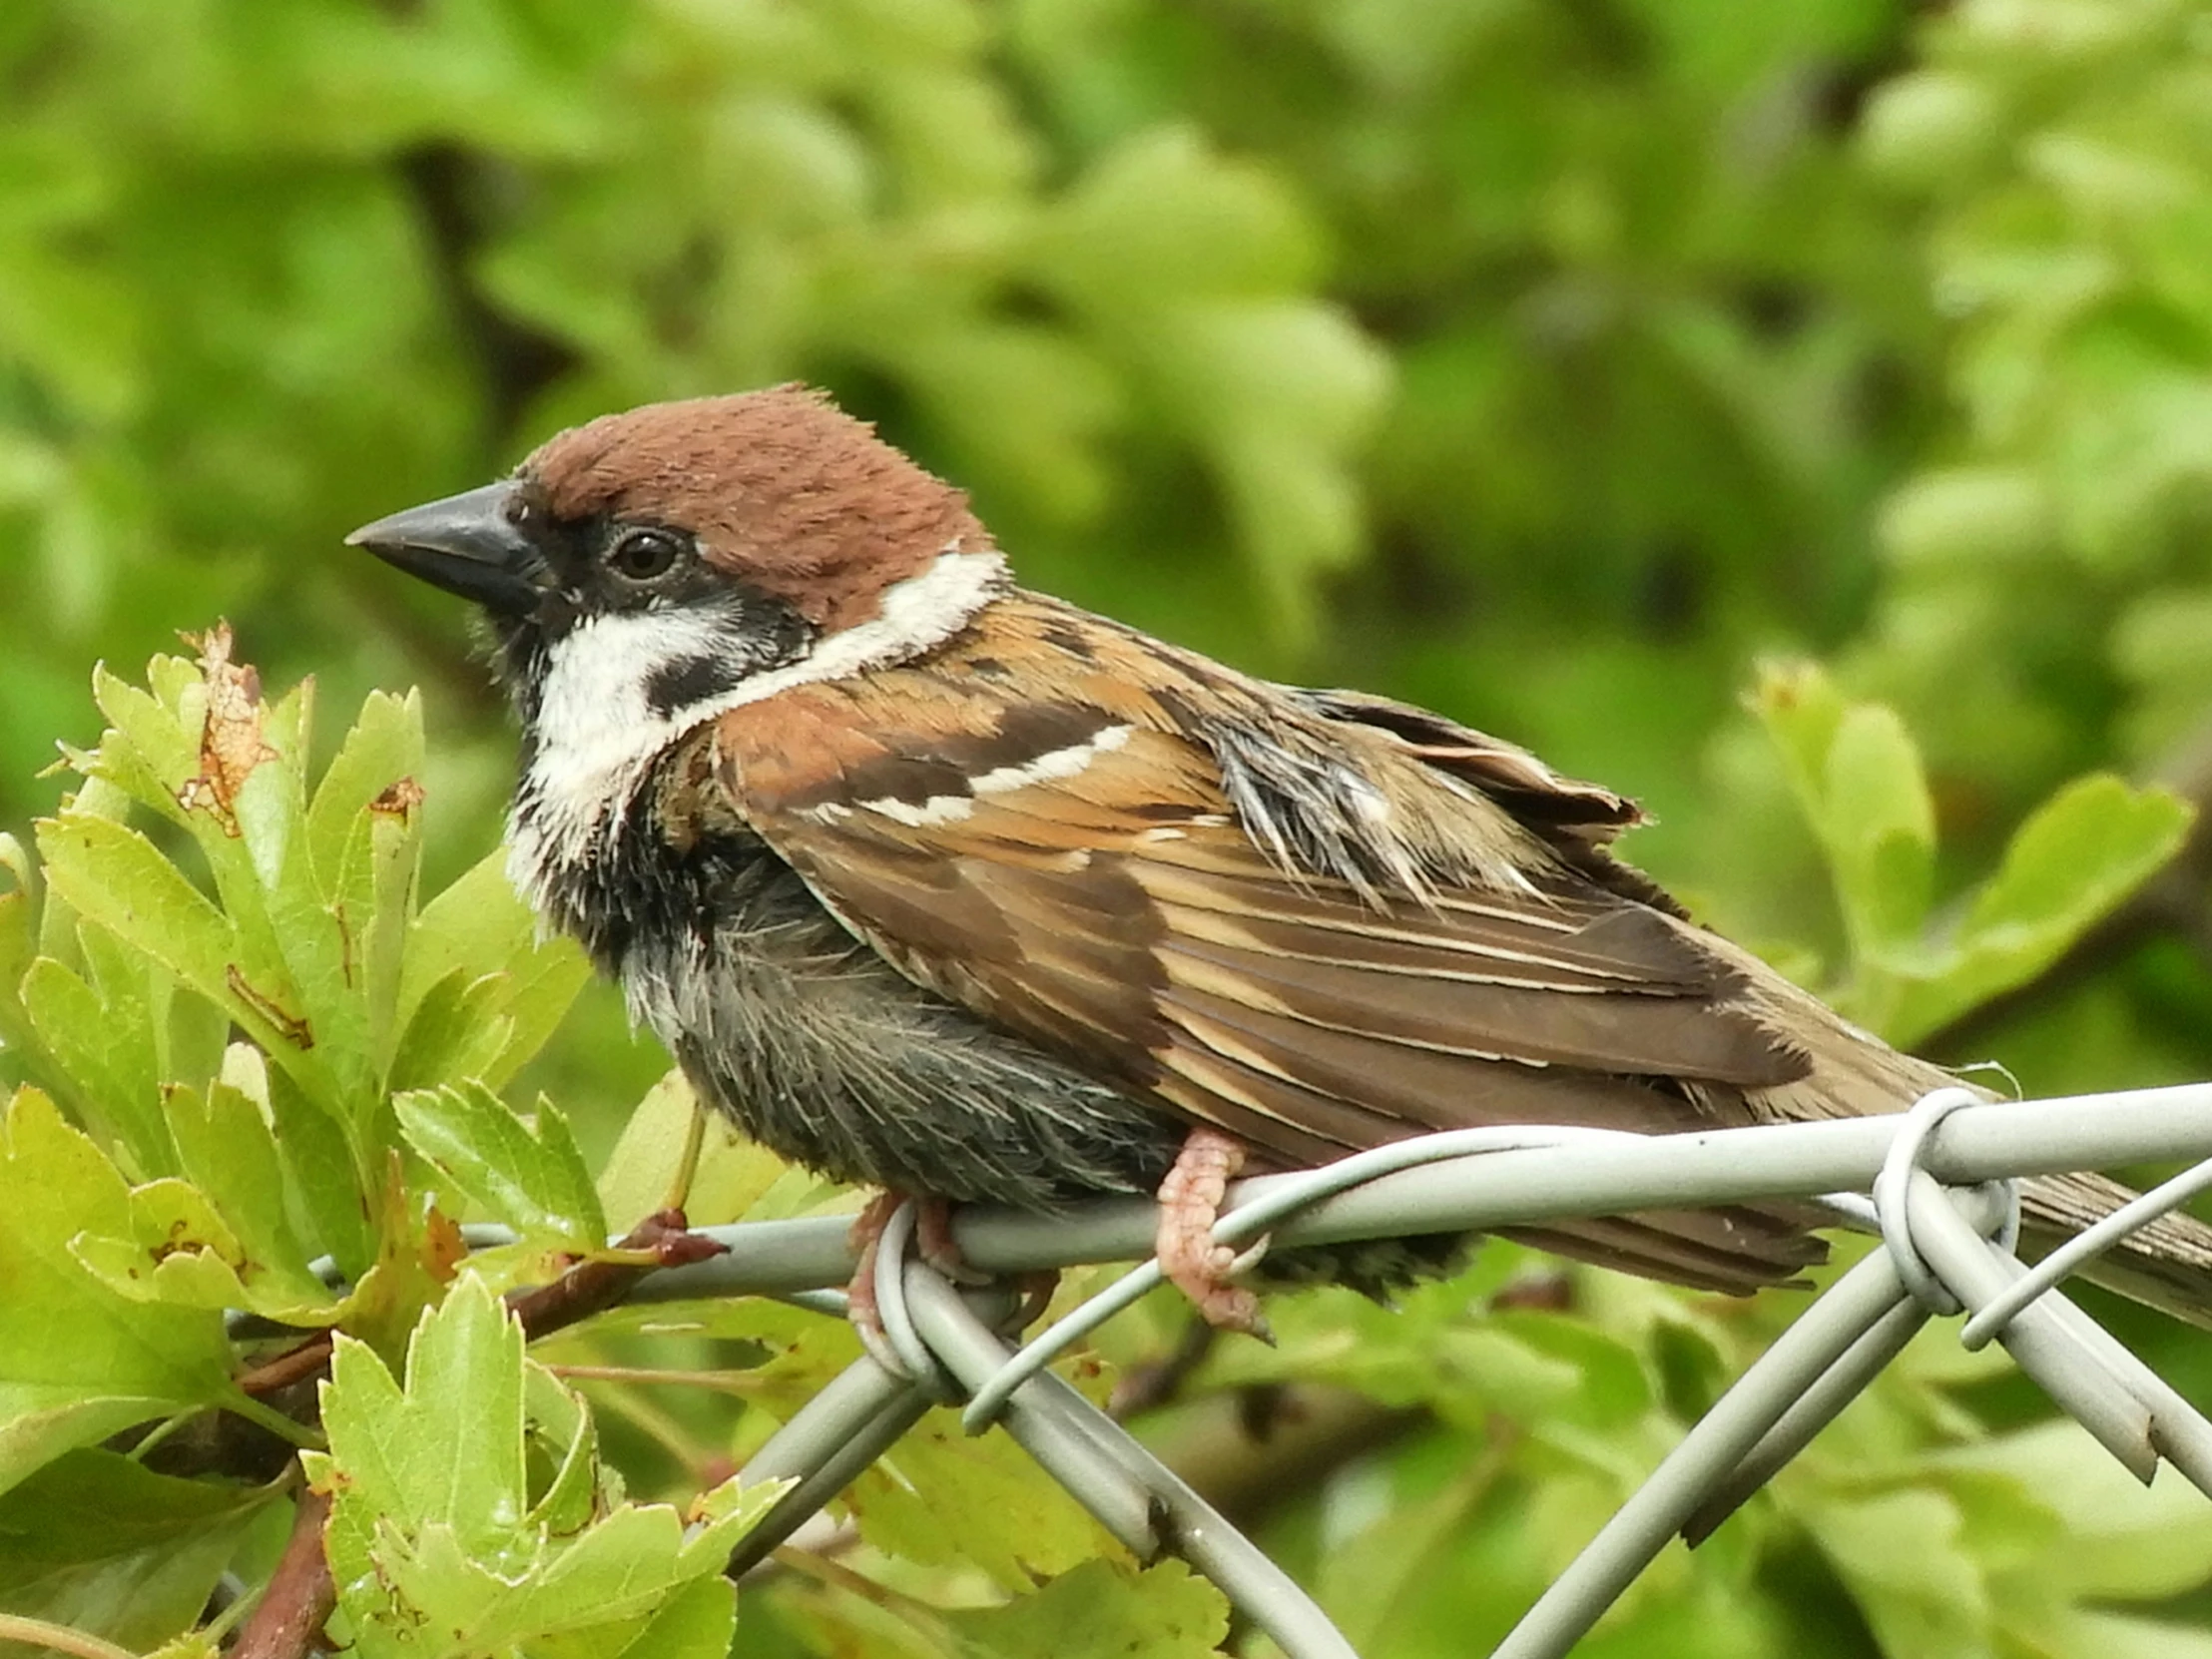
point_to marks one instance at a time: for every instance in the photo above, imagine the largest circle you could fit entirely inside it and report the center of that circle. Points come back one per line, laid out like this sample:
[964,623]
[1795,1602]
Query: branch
[518,361]
[300,1595]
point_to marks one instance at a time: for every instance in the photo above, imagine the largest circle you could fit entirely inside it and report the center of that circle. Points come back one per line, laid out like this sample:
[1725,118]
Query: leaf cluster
[1547,364]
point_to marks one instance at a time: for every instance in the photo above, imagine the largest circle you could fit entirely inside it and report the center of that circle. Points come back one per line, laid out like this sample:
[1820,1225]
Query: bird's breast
[809,1040]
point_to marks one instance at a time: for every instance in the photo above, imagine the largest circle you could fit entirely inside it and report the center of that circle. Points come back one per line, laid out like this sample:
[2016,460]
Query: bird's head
[652,567]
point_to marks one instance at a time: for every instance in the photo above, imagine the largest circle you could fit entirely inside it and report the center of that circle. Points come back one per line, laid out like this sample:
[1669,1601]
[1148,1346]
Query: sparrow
[941,885]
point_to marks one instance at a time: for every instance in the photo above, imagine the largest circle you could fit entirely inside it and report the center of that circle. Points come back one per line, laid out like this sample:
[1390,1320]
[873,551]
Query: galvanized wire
[1943,1178]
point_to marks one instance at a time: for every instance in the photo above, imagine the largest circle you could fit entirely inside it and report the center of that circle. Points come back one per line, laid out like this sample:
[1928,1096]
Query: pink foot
[861,1308]
[1190,1203]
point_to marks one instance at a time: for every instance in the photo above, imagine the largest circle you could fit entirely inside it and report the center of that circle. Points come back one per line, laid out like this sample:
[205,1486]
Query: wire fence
[1938,1183]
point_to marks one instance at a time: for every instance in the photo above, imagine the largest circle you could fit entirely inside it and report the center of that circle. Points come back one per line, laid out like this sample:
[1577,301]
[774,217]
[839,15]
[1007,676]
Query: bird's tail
[2165,1265]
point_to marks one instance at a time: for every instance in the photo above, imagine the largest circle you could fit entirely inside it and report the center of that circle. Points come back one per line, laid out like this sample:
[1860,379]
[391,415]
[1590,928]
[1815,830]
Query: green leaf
[1857,776]
[2075,859]
[326,1189]
[1802,711]
[97,1542]
[229,1153]
[2081,1633]
[525,1170]
[1101,1611]
[178,1251]
[434,1546]
[111,1093]
[2077,856]
[1908,1570]
[476,930]
[446,1445]
[457,1030]
[18,944]
[732,1175]
[114,876]
[941,1495]
[382,751]
[1541,1368]
[1880,825]
[151,746]
[77,1361]
[2120,1543]
[365,834]
[698,1621]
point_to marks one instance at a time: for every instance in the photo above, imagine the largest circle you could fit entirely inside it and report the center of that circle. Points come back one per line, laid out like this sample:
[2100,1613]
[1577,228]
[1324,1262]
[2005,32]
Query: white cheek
[598,733]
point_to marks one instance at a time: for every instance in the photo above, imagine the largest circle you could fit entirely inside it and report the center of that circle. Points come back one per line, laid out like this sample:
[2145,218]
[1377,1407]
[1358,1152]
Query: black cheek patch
[691,680]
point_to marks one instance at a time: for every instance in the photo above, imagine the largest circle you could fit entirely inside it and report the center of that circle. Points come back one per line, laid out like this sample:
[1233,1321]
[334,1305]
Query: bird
[937,885]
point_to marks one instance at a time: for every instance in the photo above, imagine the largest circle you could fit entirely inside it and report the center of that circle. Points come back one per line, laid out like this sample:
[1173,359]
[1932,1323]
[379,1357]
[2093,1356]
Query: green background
[1549,363]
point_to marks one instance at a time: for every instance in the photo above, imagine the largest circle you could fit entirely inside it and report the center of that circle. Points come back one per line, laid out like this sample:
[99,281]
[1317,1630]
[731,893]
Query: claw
[933,1238]
[1190,1203]
[861,1308]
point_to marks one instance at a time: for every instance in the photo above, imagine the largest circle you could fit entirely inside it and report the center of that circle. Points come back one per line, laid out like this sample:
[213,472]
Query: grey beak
[466,544]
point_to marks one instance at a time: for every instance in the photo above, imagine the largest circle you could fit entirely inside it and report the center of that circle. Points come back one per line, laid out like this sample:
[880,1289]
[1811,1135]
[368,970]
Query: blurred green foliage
[1547,362]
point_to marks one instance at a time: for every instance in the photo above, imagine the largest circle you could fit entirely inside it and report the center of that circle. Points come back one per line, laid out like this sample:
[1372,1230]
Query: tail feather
[2165,1265]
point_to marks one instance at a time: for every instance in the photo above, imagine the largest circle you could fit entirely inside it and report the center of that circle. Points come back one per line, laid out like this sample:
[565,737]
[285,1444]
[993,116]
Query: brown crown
[781,488]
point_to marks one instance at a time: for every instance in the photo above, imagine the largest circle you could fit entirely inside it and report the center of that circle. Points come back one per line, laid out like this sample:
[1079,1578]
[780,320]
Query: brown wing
[1098,898]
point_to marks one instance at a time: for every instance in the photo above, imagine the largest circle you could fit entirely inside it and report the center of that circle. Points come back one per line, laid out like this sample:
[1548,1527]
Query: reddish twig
[296,1365]
[590,1286]
[300,1595]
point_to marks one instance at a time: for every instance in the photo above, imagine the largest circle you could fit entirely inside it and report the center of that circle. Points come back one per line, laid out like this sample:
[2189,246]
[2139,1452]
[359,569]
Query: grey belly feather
[823,1052]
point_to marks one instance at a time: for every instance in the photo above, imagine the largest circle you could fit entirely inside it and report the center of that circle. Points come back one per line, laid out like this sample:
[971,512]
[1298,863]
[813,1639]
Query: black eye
[642,555]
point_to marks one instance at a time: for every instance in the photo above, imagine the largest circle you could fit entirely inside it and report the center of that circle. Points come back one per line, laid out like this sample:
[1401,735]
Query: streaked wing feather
[1118,915]
[1061,910]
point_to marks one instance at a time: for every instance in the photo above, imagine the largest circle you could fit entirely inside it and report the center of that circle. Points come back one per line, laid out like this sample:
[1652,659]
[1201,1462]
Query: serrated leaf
[941,1495]
[433,1547]
[1856,774]
[275,958]
[72,1025]
[77,1361]
[1101,1611]
[136,995]
[151,746]
[114,876]
[560,1430]
[103,1545]
[732,1175]
[229,1153]
[478,930]
[698,1621]
[2078,854]
[384,749]
[365,834]
[1880,825]
[1800,710]
[457,1030]
[445,1444]
[326,1194]
[178,1251]
[2076,858]
[525,1170]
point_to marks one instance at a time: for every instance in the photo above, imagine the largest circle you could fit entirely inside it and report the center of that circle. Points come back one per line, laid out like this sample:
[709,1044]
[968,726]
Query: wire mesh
[1939,1183]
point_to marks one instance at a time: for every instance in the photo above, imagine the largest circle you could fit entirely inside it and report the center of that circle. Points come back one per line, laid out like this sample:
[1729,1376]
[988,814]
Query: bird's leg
[933,1238]
[1190,1203]
[865,1313]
